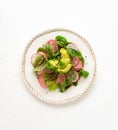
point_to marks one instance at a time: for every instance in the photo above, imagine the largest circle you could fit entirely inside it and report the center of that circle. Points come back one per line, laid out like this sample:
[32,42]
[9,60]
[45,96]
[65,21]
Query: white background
[97,21]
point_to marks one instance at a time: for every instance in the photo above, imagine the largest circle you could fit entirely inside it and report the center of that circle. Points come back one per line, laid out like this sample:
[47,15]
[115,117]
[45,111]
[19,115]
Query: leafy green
[38,60]
[60,38]
[61,41]
[52,86]
[50,66]
[41,67]
[62,65]
[56,54]
[64,85]
[50,81]
[47,48]
[75,53]
[75,84]
[50,77]
[68,82]
[83,73]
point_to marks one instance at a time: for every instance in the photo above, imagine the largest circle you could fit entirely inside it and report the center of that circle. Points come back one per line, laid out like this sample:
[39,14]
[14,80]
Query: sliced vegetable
[73,75]
[43,54]
[65,70]
[54,44]
[73,46]
[38,58]
[41,80]
[64,65]
[75,61]
[78,66]
[34,56]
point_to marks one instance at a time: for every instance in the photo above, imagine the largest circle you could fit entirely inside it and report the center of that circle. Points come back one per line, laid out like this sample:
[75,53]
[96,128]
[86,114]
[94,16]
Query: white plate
[56,97]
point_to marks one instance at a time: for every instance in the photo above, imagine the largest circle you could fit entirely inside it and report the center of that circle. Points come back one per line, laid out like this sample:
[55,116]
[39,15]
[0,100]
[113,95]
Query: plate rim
[32,90]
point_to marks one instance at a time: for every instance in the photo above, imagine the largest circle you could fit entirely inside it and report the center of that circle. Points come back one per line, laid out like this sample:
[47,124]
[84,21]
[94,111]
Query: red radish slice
[73,75]
[41,80]
[54,44]
[60,78]
[34,57]
[75,61]
[73,46]
[42,53]
[78,66]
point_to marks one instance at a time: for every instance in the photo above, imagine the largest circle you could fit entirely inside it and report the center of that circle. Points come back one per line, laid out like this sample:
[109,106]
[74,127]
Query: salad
[58,64]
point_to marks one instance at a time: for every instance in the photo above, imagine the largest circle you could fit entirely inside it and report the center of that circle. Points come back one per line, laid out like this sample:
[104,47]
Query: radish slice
[35,55]
[60,78]
[73,46]
[42,53]
[73,75]
[78,66]
[41,80]
[75,61]
[33,58]
[54,44]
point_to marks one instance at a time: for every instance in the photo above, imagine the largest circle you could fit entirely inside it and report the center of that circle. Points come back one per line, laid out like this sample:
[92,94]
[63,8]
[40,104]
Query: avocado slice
[64,65]
[65,70]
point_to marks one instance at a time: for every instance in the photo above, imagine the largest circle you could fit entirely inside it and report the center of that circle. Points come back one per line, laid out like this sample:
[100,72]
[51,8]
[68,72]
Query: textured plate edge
[32,90]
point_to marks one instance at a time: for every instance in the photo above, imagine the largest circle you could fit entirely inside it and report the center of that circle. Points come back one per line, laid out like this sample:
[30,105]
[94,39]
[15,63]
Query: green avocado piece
[65,70]
[53,62]
[64,65]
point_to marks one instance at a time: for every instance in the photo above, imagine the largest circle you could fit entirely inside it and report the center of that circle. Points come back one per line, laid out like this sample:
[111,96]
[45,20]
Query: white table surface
[97,21]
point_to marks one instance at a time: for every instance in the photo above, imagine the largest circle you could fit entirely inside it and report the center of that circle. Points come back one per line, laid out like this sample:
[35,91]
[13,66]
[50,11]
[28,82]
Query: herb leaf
[50,81]
[83,73]
[47,49]
[52,86]
[65,85]
[38,61]
[75,84]
[75,53]
[61,41]
[41,67]
[60,38]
